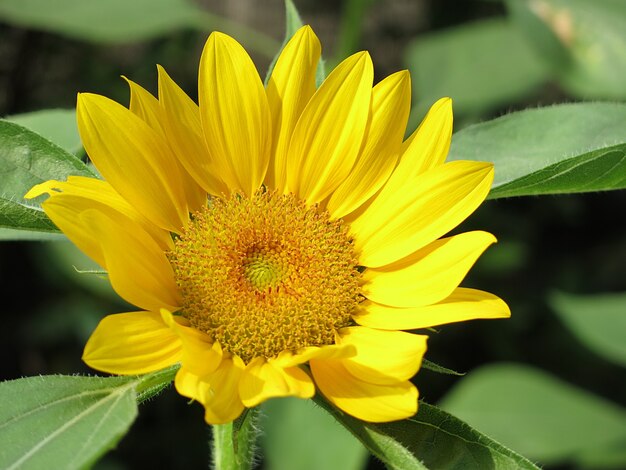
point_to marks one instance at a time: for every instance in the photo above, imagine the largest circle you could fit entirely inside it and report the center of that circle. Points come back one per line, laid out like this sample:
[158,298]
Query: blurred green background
[549,382]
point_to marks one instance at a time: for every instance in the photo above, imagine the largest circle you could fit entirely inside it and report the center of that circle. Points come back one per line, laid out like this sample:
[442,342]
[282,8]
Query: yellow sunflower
[276,239]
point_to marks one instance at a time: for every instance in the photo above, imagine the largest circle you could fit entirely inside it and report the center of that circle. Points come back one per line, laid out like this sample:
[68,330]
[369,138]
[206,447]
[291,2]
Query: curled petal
[383,357]
[217,391]
[68,199]
[200,355]
[375,403]
[266,379]
[132,343]
[287,359]
[138,268]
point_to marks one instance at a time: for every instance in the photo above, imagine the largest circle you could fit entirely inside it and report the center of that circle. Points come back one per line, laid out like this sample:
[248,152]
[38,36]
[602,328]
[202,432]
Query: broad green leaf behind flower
[27,158]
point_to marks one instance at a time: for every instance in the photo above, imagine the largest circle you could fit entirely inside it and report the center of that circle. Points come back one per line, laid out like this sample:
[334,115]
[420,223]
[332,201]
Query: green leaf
[598,321]
[17,215]
[480,66]
[545,41]
[600,170]
[589,34]
[67,422]
[566,148]
[56,125]
[9,234]
[608,457]
[27,159]
[431,439]
[286,446]
[93,20]
[63,422]
[537,415]
[121,21]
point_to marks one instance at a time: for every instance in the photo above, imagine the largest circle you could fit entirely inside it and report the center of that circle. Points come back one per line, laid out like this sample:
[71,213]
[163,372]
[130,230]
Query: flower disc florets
[266,273]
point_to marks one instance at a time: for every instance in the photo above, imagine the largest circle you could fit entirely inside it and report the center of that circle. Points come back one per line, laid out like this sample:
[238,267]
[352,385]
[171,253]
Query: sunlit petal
[235,114]
[428,275]
[328,135]
[462,305]
[398,224]
[289,89]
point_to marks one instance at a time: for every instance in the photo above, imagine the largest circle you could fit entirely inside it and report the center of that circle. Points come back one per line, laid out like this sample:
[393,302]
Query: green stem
[234,443]
[151,384]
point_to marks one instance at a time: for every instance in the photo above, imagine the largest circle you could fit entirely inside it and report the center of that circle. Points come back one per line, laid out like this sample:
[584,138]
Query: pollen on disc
[266,274]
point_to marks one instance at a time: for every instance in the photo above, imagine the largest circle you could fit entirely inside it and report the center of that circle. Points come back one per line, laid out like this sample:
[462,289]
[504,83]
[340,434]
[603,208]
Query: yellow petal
[383,357]
[65,213]
[366,401]
[148,108]
[200,355]
[289,89]
[132,343]
[462,305]
[328,135]
[390,105]
[217,392]
[428,146]
[78,194]
[396,225]
[145,106]
[134,159]
[263,379]
[138,269]
[188,384]
[428,275]
[235,114]
[181,118]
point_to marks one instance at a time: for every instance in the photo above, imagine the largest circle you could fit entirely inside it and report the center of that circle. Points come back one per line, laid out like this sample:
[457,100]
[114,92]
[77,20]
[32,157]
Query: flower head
[278,239]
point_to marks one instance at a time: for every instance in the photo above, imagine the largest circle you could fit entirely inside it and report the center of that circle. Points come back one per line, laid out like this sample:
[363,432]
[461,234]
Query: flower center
[266,274]
[261,270]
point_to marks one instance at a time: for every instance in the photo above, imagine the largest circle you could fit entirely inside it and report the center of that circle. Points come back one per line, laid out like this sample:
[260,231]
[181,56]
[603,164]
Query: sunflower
[276,240]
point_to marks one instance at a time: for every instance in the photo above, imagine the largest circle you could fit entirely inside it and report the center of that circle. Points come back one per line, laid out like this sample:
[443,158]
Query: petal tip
[403,76]
[308,36]
[506,310]
[219,39]
[38,190]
